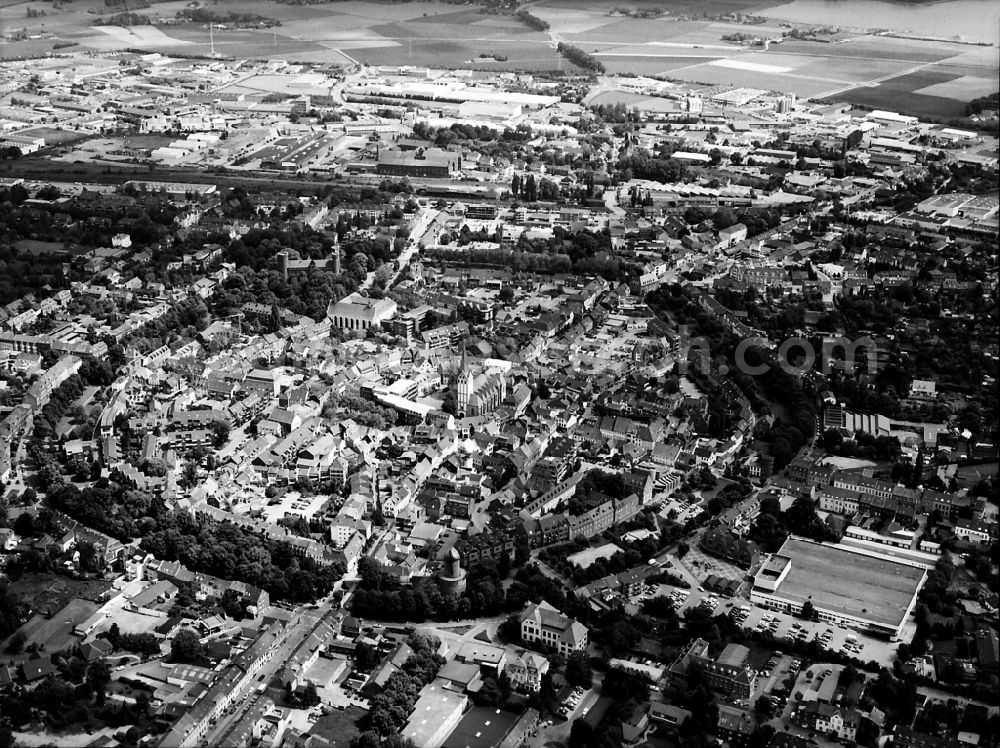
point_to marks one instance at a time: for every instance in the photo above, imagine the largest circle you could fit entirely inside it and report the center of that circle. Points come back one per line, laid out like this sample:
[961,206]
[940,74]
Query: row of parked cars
[800,632]
[740,614]
[648,593]
[768,622]
[852,645]
[710,601]
[571,702]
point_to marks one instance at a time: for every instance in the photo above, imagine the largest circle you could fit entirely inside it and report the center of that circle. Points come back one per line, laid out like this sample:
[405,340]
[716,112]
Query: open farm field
[26,49]
[902,94]
[940,77]
[717,74]
[13,16]
[963,88]
[665,50]
[925,78]
[285,13]
[634,31]
[660,66]
[459,52]
[433,29]
[194,39]
[853,71]
[877,48]
[381,12]
[676,7]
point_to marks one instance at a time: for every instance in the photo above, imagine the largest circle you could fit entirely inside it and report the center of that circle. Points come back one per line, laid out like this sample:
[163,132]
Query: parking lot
[700,564]
[776,624]
[574,702]
[775,671]
[590,705]
[683,510]
[830,636]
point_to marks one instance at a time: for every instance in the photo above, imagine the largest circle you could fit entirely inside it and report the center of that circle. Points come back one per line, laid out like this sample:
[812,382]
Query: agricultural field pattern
[903,70]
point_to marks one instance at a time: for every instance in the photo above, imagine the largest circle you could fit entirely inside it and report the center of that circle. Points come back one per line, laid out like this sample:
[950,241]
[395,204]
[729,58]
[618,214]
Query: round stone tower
[451,578]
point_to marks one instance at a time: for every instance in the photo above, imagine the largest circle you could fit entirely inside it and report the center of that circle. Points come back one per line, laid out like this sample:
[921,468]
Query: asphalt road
[268,672]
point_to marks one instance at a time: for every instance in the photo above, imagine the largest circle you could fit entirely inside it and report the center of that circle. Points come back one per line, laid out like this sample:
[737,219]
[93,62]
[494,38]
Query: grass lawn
[459,630]
[52,592]
[54,633]
[37,247]
[660,741]
[339,726]
[598,710]
[55,136]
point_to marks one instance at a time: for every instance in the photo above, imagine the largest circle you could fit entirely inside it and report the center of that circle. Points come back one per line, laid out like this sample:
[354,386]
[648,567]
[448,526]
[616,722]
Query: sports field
[839,580]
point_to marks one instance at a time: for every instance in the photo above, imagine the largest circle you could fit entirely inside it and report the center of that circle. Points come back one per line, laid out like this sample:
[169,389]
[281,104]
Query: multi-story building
[729,673]
[604,516]
[486,546]
[544,624]
[838,500]
[830,719]
[729,546]
[525,669]
[974,531]
[39,392]
[357,312]
[735,726]
[863,484]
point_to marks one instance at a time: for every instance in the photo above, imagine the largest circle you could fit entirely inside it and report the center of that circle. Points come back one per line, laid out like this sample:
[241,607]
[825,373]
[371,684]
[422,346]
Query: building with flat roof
[172,188]
[437,712]
[854,587]
[652,673]
[481,727]
[426,162]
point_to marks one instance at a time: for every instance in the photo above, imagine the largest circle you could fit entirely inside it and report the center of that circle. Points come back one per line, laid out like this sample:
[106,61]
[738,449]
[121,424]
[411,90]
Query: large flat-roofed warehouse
[849,586]
[481,727]
[436,713]
[427,162]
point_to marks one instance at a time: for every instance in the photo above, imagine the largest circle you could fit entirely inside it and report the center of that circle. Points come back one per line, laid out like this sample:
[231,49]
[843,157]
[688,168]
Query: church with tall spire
[466,384]
[478,394]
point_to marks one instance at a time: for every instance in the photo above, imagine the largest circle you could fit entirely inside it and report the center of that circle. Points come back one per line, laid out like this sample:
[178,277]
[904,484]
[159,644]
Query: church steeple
[466,383]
